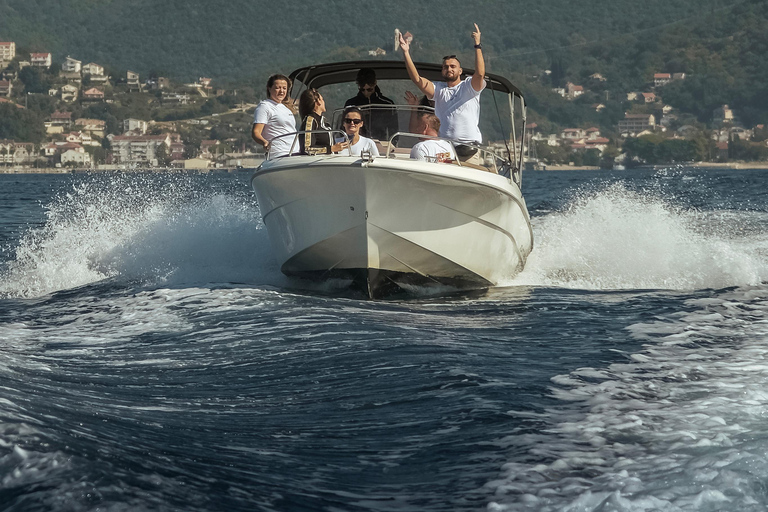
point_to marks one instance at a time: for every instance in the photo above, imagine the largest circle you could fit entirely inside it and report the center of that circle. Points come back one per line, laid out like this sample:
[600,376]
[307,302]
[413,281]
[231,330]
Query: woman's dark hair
[349,109]
[307,102]
[288,101]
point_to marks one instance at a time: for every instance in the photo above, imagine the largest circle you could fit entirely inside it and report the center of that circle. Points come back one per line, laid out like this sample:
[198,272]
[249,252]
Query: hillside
[241,39]
[720,45]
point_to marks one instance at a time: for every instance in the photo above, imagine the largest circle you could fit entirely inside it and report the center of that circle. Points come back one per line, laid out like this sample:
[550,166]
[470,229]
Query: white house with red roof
[61,118]
[73,153]
[93,94]
[41,60]
[660,79]
[573,91]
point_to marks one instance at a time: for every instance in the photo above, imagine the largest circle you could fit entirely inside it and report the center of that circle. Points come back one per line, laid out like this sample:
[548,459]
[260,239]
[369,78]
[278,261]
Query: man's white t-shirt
[277,120]
[458,109]
[364,144]
[433,150]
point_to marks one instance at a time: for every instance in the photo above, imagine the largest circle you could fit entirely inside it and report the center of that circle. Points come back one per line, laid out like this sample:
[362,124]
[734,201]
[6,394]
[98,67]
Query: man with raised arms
[457,101]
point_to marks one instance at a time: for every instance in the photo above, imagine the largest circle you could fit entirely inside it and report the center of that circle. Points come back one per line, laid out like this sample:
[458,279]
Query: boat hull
[389,224]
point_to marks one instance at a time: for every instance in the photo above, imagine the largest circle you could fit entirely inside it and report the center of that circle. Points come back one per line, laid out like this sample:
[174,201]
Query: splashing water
[615,238]
[145,228]
[166,229]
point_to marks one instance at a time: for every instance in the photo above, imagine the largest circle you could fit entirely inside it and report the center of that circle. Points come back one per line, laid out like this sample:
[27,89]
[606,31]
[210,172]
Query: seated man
[352,122]
[432,150]
[381,118]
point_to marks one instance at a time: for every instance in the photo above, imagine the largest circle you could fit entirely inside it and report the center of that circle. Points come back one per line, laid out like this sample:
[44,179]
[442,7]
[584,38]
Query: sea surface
[152,356]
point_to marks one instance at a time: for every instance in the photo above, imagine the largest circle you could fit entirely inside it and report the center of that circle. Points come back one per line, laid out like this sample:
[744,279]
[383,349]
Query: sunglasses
[367,89]
[349,120]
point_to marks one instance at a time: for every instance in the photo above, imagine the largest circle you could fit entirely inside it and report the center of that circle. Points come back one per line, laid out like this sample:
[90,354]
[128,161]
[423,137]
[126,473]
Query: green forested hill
[721,44]
[244,38]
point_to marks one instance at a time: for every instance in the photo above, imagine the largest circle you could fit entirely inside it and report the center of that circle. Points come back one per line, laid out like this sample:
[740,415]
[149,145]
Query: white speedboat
[388,223]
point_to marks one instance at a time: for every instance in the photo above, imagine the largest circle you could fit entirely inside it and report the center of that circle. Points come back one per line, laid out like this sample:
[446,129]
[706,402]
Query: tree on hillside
[35,80]
[21,125]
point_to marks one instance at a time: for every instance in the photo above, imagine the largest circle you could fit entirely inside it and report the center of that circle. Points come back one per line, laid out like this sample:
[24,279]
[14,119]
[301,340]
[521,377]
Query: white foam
[680,426]
[134,227]
[614,238]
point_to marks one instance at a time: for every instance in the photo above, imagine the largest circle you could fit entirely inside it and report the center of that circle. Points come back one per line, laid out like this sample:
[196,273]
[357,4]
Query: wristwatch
[479,46]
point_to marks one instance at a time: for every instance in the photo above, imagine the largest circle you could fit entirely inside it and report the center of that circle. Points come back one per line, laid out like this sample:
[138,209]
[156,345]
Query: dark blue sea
[153,357]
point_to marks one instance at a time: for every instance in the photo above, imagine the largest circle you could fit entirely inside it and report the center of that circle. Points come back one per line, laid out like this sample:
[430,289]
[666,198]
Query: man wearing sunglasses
[368,90]
[457,101]
[381,118]
[352,122]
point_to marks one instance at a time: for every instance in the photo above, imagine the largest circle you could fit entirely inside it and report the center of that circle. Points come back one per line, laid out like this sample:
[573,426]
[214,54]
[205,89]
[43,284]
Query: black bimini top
[345,72]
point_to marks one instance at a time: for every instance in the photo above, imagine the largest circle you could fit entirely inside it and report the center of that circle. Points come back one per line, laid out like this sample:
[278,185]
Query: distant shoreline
[705,165]
[49,170]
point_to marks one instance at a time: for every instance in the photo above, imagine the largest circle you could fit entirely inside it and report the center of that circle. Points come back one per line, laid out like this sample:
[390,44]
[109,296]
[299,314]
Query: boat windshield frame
[317,76]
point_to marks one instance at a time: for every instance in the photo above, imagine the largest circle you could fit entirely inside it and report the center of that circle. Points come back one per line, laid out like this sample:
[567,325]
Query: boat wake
[678,426]
[617,239]
[142,229]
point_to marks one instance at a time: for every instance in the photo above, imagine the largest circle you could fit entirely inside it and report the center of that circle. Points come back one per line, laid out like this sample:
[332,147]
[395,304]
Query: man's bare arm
[422,83]
[479,77]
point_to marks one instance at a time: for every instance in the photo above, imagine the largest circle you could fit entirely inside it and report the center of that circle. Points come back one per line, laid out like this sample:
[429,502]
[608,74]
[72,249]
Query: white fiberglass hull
[389,223]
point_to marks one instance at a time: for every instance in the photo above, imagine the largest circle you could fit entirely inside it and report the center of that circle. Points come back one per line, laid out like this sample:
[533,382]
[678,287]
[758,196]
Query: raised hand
[411,98]
[475,34]
[404,45]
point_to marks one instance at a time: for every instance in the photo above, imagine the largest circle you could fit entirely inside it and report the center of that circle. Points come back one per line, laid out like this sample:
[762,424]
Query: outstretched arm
[479,77]
[423,84]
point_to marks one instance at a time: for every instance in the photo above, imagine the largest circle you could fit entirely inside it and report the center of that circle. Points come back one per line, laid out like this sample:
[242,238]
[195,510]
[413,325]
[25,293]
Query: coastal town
[87,118]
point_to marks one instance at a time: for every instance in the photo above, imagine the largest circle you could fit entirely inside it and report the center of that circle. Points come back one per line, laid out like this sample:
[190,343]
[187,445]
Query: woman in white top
[274,117]
[352,122]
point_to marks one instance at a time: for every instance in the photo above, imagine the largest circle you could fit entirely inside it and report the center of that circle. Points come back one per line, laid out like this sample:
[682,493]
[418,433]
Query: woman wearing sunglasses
[352,122]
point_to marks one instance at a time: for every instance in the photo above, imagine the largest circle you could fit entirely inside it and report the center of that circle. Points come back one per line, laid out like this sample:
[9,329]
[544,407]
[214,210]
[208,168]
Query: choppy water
[152,357]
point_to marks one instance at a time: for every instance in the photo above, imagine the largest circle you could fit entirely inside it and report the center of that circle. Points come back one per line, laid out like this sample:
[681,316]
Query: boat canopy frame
[320,75]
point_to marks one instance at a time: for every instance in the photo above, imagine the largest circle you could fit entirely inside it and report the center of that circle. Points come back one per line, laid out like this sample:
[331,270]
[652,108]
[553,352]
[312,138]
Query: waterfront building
[16,153]
[137,149]
[634,124]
